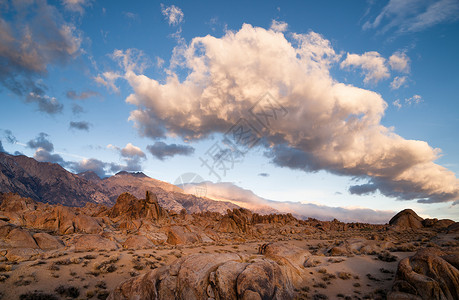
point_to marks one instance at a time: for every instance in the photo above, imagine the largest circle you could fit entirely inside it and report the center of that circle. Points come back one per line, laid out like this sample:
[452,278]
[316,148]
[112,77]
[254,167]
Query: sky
[339,107]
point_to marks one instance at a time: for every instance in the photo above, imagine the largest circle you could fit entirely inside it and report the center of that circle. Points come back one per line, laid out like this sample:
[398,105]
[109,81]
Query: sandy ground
[92,275]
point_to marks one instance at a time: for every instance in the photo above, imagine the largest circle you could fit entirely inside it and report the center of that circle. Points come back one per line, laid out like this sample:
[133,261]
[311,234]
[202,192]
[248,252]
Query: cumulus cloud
[82,96]
[399,61]
[279,26]
[372,64]
[132,155]
[172,14]
[226,191]
[92,164]
[398,82]
[161,150]
[330,125]
[81,125]
[34,37]
[41,141]
[412,16]
[76,5]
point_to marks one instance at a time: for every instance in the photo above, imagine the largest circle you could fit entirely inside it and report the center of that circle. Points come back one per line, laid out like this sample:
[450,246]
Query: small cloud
[131,15]
[82,96]
[1,147]
[41,141]
[43,155]
[363,189]
[161,150]
[279,26]
[82,125]
[263,174]
[372,65]
[76,5]
[400,62]
[398,82]
[10,138]
[77,109]
[172,14]
[46,104]
[108,80]
[397,103]
[416,99]
[132,151]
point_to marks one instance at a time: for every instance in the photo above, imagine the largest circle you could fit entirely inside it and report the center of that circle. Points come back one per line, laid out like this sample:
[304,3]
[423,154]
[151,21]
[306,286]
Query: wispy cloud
[226,191]
[398,82]
[76,5]
[279,26]
[81,96]
[405,16]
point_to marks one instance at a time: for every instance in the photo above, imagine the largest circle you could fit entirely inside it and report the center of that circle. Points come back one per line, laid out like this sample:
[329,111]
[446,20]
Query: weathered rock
[22,254]
[88,242]
[138,242]
[20,238]
[179,235]
[426,275]
[86,224]
[453,228]
[221,276]
[47,242]
[407,219]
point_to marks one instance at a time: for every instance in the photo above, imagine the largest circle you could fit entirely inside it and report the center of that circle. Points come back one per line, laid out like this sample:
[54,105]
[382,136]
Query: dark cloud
[77,109]
[10,138]
[41,141]
[162,150]
[82,96]
[45,103]
[33,36]
[363,189]
[44,155]
[92,164]
[82,125]
[263,174]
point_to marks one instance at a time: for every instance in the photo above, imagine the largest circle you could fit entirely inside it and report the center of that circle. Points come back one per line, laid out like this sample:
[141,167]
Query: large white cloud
[330,125]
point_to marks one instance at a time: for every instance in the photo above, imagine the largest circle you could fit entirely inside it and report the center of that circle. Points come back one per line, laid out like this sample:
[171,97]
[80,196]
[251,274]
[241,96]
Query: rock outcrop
[429,274]
[273,275]
[406,219]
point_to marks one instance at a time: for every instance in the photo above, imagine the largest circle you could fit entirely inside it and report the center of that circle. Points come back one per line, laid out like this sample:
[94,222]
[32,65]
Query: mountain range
[51,183]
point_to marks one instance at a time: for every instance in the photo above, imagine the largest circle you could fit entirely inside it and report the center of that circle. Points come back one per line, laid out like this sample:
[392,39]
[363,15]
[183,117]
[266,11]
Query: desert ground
[138,250]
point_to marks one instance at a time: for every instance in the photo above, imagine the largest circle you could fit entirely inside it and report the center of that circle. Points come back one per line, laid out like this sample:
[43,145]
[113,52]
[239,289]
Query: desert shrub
[37,296]
[68,291]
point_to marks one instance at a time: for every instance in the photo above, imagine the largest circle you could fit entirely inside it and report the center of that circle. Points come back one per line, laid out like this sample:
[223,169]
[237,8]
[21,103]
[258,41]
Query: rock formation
[406,219]
[429,274]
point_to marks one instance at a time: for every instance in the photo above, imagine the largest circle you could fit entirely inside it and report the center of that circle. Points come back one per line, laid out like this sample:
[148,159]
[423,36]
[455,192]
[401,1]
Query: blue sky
[369,89]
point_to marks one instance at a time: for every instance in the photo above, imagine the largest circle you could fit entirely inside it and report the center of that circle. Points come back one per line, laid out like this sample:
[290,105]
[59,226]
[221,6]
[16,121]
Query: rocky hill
[50,183]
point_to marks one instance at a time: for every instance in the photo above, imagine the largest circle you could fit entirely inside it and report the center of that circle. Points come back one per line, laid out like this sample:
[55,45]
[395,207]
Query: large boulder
[87,242]
[136,242]
[221,276]
[180,235]
[47,242]
[20,238]
[429,274]
[86,224]
[407,219]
